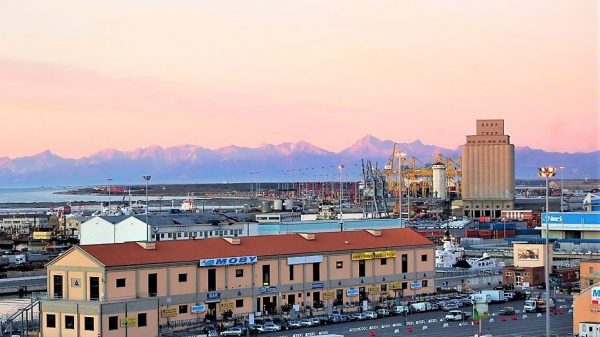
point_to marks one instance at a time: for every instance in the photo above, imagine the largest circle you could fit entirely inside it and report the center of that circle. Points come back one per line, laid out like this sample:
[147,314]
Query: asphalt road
[423,324]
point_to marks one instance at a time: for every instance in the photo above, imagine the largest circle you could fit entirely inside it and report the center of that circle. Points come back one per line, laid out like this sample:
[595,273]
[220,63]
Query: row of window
[489,142]
[88,322]
[266,272]
[199,234]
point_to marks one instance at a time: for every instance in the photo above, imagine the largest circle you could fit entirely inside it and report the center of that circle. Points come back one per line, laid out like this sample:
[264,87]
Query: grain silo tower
[488,170]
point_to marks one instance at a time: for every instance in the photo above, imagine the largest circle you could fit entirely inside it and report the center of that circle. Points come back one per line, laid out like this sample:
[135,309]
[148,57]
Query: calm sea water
[41,194]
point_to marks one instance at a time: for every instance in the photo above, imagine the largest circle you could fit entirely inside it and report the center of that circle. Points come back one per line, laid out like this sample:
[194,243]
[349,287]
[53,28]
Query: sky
[77,76]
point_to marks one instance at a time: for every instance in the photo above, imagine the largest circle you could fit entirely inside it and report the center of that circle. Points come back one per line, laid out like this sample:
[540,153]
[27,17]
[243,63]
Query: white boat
[451,256]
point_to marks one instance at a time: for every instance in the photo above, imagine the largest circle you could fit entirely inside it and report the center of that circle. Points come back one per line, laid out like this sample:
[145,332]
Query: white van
[420,307]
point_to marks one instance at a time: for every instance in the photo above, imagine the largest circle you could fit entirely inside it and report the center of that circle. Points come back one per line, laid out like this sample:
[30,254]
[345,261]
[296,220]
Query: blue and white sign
[317,285]
[351,292]
[596,295]
[267,290]
[213,296]
[198,308]
[571,218]
[415,285]
[228,261]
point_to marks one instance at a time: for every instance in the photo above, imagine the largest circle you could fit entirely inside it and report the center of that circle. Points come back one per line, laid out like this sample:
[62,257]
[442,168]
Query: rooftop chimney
[233,240]
[308,236]
[148,245]
[374,232]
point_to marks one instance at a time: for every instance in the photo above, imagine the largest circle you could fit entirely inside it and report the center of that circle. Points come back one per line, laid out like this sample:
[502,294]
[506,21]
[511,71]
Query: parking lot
[433,323]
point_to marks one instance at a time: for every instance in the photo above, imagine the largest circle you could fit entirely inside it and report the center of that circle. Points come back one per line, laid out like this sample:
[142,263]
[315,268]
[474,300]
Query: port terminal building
[136,288]
[572,229]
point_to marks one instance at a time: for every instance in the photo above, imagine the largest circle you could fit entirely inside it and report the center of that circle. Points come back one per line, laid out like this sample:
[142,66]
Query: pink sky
[77,76]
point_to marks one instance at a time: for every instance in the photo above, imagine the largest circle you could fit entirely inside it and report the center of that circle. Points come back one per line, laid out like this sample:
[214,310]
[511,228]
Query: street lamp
[547,172]
[562,187]
[341,169]
[147,178]
[109,180]
[400,155]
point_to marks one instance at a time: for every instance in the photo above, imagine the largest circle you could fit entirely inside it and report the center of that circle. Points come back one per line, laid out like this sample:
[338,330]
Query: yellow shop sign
[380,254]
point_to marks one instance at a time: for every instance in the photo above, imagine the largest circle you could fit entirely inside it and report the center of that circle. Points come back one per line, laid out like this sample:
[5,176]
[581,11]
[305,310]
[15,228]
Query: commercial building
[488,170]
[528,266]
[278,217]
[586,304]
[119,229]
[572,229]
[135,288]
[589,273]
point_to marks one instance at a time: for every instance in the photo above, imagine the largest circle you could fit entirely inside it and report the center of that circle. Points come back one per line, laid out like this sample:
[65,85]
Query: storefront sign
[213,297]
[305,259]
[385,254]
[395,285]
[329,295]
[362,256]
[373,290]
[169,312]
[596,295]
[415,285]
[351,292]
[198,308]
[228,305]
[380,254]
[267,290]
[128,322]
[317,285]
[228,261]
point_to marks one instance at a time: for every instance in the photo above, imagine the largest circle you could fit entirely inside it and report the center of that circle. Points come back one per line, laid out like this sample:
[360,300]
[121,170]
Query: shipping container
[502,225]
[471,233]
[483,226]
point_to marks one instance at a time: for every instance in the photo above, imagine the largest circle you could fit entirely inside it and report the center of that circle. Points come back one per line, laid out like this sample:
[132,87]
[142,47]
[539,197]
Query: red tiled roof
[131,253]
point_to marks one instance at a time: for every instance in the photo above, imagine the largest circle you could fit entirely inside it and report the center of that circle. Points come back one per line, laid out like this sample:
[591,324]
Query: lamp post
[341,169]
[546,173]
[109,183]
[400,155]
[562,186]
[147,178]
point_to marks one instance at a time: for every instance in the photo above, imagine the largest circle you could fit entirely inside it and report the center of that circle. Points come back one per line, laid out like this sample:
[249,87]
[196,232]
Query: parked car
[271,327]
[507,311]
[400,310]
[359,316]
[233,331]
[370,314]
[256,328]
[306,322]
[383,312]
[421,307]
[450,306]
[294,324]
[457,315]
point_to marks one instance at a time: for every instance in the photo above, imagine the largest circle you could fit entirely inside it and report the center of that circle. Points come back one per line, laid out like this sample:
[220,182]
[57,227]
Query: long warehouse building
[135,288]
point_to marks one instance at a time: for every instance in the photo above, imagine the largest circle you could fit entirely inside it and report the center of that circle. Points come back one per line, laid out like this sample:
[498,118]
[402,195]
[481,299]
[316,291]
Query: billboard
[596,295]
[228,261]
[480,308]
[525,254]
[42,235]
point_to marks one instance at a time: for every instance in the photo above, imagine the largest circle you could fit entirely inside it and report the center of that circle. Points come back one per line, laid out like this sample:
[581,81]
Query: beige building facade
[586,305]
[488,170]
[135,288]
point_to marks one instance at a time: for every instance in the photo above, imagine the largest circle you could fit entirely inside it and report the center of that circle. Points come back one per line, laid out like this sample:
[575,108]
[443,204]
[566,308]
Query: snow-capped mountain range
[299,161]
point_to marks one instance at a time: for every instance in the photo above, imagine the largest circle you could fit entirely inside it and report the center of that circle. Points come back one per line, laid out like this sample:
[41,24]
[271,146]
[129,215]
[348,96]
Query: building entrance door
[518,280]
[291,299]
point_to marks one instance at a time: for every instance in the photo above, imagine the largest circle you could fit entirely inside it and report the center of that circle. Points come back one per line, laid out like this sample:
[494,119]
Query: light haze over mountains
[299,161]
